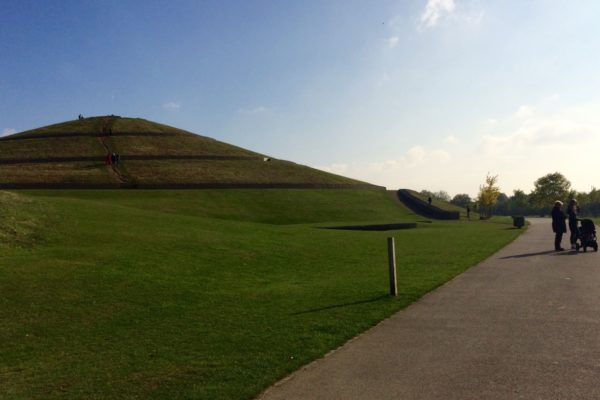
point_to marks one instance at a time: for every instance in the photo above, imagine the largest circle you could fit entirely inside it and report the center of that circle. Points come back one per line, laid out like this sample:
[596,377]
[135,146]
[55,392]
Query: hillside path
[112,167]
[523,324]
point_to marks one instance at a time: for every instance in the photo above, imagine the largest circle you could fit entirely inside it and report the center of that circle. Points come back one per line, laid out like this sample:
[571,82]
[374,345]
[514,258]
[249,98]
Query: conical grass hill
[77,154]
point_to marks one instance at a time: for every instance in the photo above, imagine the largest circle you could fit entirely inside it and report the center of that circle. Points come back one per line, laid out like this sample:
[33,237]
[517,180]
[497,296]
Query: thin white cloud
[471,18]
[383,172]
[433,11]
[254,110]
[392,41]
[464,14]
[451,139]
[172,105]
[534,129]
[418,164]
[8,131]
[383,79]
[524,112]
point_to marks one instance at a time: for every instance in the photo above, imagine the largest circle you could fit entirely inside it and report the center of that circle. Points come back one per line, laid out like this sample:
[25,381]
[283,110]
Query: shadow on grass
[377,227]
[354,303]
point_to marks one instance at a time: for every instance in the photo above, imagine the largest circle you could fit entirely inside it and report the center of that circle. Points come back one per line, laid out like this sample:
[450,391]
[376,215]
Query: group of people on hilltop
[112,158]
[559,225]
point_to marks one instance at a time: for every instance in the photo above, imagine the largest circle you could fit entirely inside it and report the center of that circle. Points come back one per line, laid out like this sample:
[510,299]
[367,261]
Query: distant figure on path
[468,212]
[429,200]
[108,159]
[572,211]
[559,226]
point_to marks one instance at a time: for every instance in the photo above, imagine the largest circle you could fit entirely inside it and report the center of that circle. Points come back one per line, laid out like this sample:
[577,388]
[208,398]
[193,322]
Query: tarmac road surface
[523,324]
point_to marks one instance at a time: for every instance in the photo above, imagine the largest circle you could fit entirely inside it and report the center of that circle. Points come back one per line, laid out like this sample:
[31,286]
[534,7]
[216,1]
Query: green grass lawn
[212,294]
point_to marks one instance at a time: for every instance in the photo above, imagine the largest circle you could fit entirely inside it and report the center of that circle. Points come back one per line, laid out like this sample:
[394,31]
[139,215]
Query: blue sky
[424,94]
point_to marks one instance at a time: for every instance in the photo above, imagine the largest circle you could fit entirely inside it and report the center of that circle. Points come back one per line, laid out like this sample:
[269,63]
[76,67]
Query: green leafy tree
[442,195]
[439,195]
[461,200]
[488,195]
[549,188]
[520,202]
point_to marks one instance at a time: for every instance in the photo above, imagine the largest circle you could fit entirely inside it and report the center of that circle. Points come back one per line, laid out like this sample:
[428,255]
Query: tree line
[547,189]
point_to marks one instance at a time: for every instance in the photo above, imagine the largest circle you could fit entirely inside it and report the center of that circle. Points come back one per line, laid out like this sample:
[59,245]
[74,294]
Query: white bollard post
[392,265]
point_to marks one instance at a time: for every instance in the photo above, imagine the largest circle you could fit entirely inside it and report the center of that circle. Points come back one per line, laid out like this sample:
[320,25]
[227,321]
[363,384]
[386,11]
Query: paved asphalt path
[524,324]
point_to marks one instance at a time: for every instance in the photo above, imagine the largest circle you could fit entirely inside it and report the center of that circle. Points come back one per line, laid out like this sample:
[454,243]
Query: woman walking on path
[558,224]
[572,211]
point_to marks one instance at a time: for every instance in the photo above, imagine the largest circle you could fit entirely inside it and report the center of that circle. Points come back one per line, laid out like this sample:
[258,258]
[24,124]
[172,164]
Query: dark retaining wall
[379,227]
[423,208]
[76,185]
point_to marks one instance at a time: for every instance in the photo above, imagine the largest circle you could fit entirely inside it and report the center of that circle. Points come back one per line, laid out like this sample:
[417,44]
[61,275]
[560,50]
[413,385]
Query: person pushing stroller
[587,235]
[572,210]
[583,231]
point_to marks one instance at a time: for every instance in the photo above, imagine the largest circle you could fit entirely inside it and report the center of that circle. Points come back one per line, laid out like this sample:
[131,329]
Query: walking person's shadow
[537,253]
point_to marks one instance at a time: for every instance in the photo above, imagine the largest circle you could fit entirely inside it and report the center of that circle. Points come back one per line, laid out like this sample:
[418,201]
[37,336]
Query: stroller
[587,235]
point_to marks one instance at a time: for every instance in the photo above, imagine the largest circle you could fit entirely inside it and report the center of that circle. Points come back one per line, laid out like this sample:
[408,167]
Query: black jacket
[572,212]
[558,220]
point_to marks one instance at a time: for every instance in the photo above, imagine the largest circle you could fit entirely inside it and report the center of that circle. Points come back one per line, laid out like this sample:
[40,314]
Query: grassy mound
[152,155]
[210,294]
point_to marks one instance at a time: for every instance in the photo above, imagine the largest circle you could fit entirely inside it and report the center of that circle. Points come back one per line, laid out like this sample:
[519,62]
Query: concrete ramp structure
[421,207]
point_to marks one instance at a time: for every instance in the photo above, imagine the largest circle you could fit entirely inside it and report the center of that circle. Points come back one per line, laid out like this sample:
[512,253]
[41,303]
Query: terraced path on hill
[114,166]
[125,157]
[77,134]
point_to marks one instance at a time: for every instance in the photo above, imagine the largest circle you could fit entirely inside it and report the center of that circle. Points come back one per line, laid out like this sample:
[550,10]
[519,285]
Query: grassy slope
[171,142]
[229,172]
[89,125]
[52,147]
[176,146]
[207,294]
[73,172]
